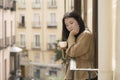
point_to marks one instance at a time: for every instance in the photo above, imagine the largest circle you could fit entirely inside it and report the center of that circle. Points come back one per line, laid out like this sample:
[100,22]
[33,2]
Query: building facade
[7,36]
[38,27]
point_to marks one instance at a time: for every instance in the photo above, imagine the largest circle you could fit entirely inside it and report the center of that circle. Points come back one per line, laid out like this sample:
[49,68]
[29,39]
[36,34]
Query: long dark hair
[76,16]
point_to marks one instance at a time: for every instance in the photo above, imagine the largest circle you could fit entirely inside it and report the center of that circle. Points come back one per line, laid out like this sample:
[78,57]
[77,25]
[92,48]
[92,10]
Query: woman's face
[72,24]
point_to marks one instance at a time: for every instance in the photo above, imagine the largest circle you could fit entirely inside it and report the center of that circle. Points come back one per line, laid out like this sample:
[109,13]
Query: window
[36,4]
[22,1]
[52,42]
[36,41]
[37,73]
[6,4]
[52,59]
[22,4]
[22,40]
[36,22]
[52,38]
[53,18]
[53,73]
[52,4]
[22,21]
[37,1]
[1,3]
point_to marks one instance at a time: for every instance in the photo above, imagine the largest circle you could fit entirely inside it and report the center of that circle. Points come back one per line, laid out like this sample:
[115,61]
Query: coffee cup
[62,44]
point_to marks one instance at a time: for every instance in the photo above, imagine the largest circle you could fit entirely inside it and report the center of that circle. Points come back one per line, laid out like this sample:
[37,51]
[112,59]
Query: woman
[79,46]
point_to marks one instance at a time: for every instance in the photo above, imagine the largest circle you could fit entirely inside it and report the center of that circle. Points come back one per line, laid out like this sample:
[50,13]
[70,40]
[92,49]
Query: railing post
[89,75]
[72,74]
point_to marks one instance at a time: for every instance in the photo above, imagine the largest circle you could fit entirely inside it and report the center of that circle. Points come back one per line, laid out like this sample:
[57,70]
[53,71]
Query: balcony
[51,46]
[36,45]
[52,24]
[21,44]
[13,6]
[36,5]
[21,25]
[36,25]
[6,42]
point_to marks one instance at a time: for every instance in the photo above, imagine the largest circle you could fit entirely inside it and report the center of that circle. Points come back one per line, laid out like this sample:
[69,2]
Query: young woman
[79,46]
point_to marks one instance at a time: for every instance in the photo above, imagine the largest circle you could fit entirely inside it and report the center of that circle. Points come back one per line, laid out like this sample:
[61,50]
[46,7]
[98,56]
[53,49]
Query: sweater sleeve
[80,47]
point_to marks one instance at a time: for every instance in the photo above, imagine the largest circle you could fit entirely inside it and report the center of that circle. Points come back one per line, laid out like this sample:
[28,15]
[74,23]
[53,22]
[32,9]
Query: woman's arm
[80,47]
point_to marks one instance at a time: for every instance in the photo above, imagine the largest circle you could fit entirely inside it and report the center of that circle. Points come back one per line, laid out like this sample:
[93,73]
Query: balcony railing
[89,70]
[52,24]
[21,25]
[36,5]
[35,45]
[21,44]
[36,25]
[51,46]
[8,41]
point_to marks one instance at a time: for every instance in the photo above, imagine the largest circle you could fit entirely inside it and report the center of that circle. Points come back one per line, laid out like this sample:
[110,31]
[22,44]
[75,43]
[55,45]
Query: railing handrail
[87,69]
[73,68]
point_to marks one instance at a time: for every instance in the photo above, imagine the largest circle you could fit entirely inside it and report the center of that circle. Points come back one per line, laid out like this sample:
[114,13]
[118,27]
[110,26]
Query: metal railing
[73,68]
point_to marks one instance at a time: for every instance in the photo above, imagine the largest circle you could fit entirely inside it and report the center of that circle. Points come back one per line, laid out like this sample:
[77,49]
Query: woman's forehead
[69,19]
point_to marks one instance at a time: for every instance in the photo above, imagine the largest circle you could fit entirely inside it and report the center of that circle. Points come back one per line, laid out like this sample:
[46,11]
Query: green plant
[59,54]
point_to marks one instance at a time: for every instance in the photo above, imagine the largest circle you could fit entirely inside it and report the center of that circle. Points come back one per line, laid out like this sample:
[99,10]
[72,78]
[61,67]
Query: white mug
[62,44]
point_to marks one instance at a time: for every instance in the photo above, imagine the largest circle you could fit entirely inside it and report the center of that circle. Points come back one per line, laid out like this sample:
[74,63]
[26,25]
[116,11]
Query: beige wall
[8,16]
[4,56]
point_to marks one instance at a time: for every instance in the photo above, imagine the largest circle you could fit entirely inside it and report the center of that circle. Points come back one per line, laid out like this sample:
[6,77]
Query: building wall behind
[44,11]
[8,16]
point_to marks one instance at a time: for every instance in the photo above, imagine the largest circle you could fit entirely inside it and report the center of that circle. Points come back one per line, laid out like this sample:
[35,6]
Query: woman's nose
[70,27]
